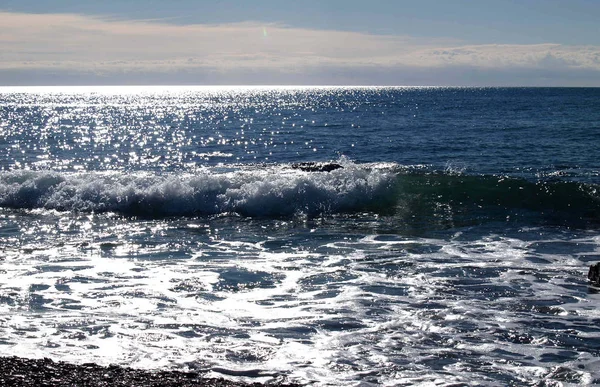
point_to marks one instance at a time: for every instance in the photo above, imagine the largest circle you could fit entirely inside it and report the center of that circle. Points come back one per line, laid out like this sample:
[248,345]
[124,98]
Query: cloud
[104,49]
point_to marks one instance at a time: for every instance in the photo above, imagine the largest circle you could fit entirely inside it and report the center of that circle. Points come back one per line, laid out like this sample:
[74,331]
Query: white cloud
[91,45]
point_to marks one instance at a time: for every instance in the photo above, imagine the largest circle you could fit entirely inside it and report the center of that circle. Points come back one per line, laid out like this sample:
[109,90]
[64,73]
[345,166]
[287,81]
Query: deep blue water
[171,227]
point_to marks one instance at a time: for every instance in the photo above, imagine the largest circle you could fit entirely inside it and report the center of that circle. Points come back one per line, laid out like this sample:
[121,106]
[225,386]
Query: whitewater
[320,235]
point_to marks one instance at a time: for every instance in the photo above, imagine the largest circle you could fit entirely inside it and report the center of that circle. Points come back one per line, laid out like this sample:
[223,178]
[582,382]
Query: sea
[329,236]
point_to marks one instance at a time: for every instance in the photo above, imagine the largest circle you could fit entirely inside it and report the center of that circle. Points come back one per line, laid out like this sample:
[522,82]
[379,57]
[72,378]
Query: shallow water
[131,234]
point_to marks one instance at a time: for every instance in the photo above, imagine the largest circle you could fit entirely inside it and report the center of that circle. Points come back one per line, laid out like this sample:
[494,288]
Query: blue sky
[461,42]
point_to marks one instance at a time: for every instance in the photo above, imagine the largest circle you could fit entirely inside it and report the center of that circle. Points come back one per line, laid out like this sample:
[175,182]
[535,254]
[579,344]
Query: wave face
[462,200]
[435,200]
[268,191]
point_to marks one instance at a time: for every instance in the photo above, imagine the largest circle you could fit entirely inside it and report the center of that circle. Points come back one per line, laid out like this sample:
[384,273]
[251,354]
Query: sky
[308,42]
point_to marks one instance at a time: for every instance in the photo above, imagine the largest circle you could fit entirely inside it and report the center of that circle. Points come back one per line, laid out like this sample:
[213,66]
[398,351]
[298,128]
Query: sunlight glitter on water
[124,294]
[341,236]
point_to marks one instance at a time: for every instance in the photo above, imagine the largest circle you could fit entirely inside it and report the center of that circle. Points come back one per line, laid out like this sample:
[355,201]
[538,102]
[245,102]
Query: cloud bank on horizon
[78,49]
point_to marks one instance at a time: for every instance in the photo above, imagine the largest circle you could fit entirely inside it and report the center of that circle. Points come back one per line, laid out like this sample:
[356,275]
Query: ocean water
[177,228]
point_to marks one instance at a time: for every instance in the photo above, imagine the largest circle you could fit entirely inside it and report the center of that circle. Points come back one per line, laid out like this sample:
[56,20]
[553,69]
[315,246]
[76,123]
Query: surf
[276,190]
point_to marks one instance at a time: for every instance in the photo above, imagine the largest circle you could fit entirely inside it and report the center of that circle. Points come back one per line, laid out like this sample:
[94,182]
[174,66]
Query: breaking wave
[411,196]
[258,191]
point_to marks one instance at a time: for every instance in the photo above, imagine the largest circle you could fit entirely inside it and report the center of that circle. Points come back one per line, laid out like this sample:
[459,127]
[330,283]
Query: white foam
[271,191]
[335,309]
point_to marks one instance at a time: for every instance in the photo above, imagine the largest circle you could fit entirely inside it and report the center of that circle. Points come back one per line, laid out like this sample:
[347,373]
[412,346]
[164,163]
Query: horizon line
[282,86]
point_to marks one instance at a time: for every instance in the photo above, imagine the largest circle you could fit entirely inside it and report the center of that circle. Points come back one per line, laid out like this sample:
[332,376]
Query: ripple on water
[261,301]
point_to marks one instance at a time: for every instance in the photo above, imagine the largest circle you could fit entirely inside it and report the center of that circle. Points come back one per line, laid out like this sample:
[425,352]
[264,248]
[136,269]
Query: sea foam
[267,191]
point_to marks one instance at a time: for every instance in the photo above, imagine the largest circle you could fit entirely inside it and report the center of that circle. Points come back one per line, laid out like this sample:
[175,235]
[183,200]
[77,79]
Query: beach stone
[316,167]
[594,274]
[16,371]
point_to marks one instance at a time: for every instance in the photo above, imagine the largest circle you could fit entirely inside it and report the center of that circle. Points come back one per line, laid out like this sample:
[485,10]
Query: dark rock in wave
[15,371]
[594,274]
[312,166]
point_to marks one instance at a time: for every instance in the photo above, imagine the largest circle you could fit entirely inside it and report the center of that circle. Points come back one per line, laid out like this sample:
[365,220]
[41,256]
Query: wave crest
[268,191]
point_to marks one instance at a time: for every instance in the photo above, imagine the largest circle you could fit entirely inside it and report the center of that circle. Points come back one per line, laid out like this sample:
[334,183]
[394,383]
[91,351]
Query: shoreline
[18,371]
